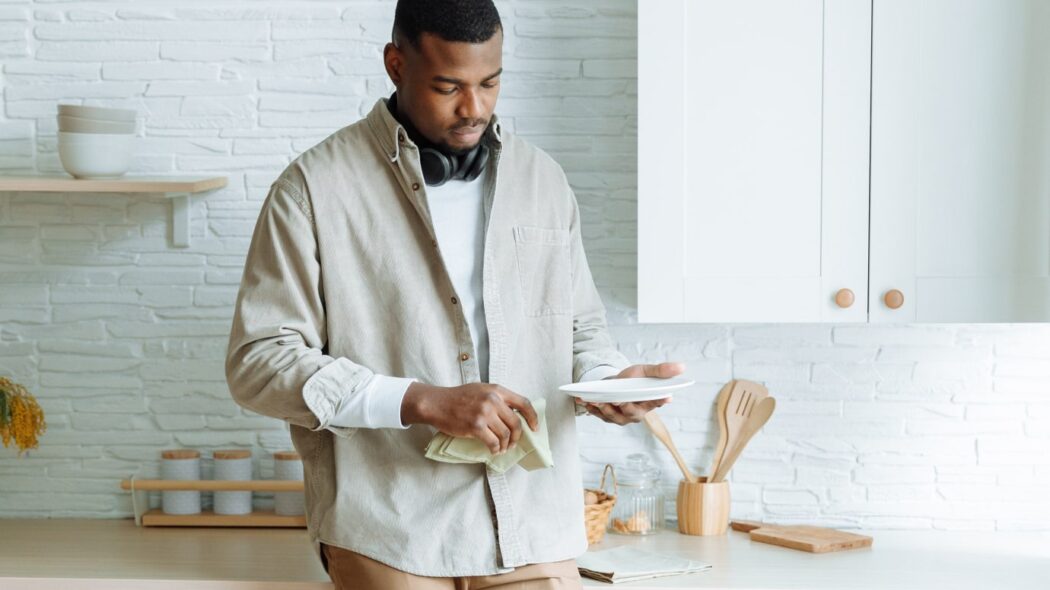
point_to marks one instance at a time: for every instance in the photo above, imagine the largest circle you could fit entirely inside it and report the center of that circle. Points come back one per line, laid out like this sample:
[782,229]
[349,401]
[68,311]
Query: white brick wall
[122,337]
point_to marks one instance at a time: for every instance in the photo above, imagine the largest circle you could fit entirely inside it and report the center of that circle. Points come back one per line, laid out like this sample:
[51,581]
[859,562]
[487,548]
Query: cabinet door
[960,169]
[753,159]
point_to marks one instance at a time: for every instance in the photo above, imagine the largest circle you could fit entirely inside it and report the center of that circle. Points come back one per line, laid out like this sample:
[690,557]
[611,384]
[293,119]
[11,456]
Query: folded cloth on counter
[627,564]
[532,452]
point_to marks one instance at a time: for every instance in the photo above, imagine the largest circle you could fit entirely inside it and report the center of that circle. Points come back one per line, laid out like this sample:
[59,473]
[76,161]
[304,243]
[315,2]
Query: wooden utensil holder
[703,508]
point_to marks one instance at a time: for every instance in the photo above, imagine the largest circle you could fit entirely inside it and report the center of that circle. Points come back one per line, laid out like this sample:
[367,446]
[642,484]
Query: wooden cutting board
[813,539]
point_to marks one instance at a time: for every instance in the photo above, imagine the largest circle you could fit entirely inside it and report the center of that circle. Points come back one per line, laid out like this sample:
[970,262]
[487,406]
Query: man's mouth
[467,132]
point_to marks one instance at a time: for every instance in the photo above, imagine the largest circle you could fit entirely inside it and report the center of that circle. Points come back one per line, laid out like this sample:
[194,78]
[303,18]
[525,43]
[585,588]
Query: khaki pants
[353,571]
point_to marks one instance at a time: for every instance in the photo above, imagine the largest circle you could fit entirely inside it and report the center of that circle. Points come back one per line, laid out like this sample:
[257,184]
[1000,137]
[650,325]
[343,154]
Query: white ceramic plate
[635,389]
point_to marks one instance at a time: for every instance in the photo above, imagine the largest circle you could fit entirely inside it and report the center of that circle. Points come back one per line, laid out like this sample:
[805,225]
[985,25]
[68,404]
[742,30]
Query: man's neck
[397,110]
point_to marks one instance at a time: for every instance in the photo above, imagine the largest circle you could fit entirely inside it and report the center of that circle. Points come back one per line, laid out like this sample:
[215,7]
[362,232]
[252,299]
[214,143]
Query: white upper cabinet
[960,166]
[753,160]
[787,150]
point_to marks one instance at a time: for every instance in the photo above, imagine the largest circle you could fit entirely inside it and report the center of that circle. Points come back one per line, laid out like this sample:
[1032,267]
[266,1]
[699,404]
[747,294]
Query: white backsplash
[122,338]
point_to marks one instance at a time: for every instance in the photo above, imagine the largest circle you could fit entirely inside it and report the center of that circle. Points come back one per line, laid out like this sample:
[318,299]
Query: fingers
[493,432]
[499,428]
[635,412]
[511,424]
[632,371]
[627,413]
[660,371]
[645,407]
[664,370]
[523,405]
[497,418]
[489,438]
[595,411]
[609,413]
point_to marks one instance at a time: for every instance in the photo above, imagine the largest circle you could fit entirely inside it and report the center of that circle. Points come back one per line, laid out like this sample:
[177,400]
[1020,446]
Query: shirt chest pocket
[544,270]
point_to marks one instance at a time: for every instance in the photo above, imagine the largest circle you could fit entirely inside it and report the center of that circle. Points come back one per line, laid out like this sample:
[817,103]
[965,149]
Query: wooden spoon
[720,415]
[659,429]
[757,415]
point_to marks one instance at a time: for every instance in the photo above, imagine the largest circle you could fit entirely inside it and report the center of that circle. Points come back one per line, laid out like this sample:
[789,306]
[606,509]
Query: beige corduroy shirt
[344,279]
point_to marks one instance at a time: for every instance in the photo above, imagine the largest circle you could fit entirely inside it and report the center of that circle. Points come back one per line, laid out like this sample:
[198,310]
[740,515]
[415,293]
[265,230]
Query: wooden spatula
[747,419]
[659,429]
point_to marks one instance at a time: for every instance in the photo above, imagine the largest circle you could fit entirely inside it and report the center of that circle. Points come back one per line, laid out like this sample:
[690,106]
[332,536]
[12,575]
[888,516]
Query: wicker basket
[596,516]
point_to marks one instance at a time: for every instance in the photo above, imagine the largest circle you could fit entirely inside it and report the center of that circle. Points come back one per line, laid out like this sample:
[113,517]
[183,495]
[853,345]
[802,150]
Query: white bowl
[95,155]
[98,113]
[82,125]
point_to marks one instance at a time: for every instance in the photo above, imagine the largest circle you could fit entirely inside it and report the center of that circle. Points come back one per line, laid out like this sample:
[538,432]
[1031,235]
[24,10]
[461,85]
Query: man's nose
[470,106]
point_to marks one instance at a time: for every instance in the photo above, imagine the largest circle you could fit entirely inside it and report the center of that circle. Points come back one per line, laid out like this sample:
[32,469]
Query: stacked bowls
[95,142]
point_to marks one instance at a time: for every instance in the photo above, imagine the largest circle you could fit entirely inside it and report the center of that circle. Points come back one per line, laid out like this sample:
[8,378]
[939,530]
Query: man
[422,271]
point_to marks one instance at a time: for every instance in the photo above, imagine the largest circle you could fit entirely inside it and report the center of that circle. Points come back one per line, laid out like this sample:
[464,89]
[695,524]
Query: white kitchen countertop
[117,555]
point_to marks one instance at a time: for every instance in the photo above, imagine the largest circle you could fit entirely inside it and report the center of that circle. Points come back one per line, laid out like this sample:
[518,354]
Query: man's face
[448,89]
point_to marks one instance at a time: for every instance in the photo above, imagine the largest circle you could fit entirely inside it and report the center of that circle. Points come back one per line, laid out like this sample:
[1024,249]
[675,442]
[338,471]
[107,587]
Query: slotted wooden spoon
[757,416]
[735,403]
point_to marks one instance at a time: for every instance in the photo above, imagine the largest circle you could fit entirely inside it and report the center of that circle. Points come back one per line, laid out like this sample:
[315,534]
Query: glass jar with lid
[639,508]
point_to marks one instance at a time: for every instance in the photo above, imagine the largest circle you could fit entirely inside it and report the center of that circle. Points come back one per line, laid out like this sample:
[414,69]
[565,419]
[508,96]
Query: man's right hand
[476,410]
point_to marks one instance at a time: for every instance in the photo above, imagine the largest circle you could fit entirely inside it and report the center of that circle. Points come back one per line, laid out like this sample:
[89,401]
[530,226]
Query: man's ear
[393,61]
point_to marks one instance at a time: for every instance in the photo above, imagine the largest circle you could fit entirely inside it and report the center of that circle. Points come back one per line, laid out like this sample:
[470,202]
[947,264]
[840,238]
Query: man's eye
[445,91]
[490,85]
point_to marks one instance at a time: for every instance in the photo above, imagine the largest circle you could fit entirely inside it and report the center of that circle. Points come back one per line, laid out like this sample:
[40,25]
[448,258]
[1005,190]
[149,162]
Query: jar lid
[638,470]
[232,454]
[180,454]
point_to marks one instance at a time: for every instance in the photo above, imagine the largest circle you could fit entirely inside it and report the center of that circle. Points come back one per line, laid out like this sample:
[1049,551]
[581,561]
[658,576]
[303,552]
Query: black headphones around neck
[439,167]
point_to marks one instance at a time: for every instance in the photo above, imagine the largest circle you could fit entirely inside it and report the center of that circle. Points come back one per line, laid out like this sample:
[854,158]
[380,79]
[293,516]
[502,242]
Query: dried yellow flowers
[21,418]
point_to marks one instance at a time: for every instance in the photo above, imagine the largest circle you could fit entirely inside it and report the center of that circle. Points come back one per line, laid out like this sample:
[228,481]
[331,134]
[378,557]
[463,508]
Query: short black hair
[470,21]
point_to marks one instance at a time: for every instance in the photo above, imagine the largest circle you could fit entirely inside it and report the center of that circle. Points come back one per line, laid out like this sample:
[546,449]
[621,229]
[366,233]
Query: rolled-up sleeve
[275,361]
[592,346]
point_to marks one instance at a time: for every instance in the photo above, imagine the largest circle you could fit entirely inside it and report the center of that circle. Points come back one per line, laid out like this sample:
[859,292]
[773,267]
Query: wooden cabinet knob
[844,298]
[893,298]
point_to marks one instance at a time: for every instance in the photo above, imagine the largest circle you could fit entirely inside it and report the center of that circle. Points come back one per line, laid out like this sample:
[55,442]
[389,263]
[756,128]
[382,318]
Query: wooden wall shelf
[213,485]
[257,518]
[176,188]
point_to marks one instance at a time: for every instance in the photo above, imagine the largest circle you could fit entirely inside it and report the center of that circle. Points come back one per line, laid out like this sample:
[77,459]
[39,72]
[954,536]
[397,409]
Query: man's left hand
[631,412]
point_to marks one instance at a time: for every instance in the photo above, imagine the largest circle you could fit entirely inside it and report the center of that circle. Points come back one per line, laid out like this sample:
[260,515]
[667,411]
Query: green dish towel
[532,452]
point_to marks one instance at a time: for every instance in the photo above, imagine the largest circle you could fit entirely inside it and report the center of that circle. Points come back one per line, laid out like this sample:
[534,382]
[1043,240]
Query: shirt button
[455,301]
[434,243]
[415,186]
[464,357]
